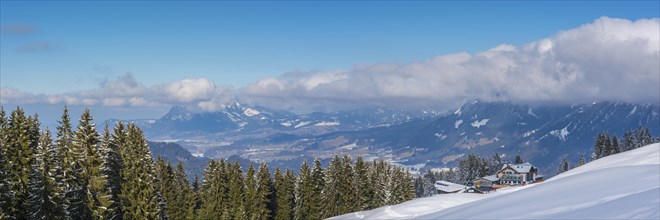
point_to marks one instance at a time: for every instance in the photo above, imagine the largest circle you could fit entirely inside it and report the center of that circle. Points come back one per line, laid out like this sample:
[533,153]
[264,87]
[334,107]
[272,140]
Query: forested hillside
[85,174]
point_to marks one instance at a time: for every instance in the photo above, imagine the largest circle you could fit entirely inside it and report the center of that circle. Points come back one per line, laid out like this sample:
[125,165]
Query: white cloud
[126,91]
[188,90]
[137,101]
[114,102]
[10,95]
[609,59]
[222,96]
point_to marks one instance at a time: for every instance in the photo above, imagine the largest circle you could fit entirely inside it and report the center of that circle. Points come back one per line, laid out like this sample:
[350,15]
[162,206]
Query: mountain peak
[178,113]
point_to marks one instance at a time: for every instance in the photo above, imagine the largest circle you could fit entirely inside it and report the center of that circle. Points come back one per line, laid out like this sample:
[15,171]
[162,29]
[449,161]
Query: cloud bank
[126,91]
[607,60]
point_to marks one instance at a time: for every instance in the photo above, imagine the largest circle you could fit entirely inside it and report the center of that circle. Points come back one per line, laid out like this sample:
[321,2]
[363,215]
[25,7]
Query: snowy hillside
[621,186]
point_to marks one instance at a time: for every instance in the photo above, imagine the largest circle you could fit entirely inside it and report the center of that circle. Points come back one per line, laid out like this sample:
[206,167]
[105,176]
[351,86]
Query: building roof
[475,189]
[520,168]
[491,178]
[448,186]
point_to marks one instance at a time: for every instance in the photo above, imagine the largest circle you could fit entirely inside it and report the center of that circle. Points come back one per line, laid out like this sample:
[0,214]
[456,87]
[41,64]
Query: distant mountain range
[540,134]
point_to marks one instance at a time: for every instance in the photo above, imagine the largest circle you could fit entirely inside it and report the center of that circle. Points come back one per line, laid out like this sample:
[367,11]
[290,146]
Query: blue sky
[237,43]
[136,59]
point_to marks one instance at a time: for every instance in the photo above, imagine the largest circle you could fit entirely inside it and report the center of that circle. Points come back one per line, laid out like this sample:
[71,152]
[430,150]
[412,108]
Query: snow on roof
[448,186]
[491,178]
[520,168]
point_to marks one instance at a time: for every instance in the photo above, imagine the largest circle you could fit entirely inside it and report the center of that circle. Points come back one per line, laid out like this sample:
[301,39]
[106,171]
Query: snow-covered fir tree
[303,193]
[363,189]
[7,195]
[563,165]
[19,148]
[44,198]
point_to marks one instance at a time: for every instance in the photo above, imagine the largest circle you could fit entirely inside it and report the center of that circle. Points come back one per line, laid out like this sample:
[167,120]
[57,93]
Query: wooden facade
[517,174]
[484,184]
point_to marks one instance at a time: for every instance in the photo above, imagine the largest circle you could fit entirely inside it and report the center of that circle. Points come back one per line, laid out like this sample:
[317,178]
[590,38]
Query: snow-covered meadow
[620,186]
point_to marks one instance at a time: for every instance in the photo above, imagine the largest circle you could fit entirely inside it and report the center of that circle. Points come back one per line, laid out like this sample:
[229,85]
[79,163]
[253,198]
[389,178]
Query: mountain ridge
[540,134]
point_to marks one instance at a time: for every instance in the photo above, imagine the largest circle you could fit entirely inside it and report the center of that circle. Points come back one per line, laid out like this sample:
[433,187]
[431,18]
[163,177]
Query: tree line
[474,166]
[84,174]
[606,145]
[344,186]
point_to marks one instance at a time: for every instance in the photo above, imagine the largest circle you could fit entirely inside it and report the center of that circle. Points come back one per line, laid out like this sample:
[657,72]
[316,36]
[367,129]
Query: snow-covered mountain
[620,186]
[239,121]
[540,134]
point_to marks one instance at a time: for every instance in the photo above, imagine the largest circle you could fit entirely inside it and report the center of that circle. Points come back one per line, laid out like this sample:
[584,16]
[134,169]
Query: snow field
[620,186]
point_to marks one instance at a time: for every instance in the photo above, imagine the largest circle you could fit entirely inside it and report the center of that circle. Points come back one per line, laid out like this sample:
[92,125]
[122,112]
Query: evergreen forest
[81,173]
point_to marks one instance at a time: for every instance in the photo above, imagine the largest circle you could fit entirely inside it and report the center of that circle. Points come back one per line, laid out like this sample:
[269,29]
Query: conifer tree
[165,186]
[332,198]
[347,186]
[236,193]
[211,191]
[111,168]
[563,166]
[518,160]
[318,183]
[644,137]
[581,160]
[20,146]
[394,187]
[387,184]
[55,175]
[205,190]
[599,146]
[283,194]
[223,187]
[379,180]
[629,140]
[45,200]
[250,192]
[86,142]
[197,201]
[364,190]
[419,187]
[405,189]
[71,172]
[184,200]
[279,194]
[471,167]
[607,146]
[288,202]
[496,164]
[8,201]
[615,149]
[304,191]
[408,187]
[263,203]
[139,195]
[429,181]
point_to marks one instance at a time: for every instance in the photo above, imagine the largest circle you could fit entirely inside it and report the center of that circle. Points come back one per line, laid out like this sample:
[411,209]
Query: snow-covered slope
[621,186]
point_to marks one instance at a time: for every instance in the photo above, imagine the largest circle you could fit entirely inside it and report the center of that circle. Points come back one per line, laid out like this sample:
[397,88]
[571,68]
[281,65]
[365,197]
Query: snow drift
[621,186]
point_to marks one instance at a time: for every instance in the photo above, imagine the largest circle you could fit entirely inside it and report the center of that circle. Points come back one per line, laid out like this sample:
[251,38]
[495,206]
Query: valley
[419,140]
